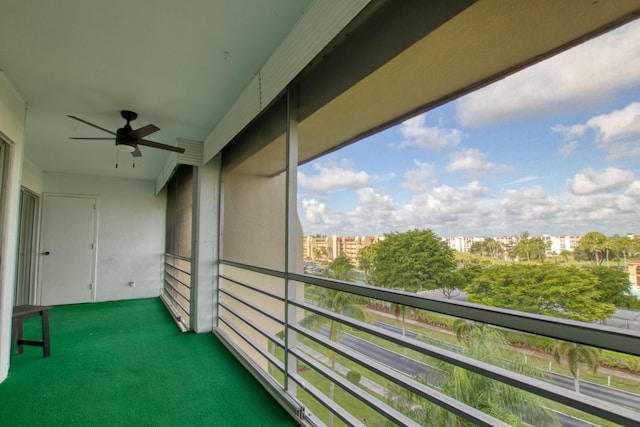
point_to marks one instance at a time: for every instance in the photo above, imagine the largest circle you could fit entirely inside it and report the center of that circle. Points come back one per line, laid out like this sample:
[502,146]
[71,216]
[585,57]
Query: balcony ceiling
[179,65]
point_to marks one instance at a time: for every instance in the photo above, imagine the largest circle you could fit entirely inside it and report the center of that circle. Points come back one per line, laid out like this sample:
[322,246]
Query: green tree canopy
[529,249]
[497,399]
[412,261]
[624,247]
[575,354]
[614,286]
[549,289]
[365,261]
[340,269]
[488,247]
[593,246]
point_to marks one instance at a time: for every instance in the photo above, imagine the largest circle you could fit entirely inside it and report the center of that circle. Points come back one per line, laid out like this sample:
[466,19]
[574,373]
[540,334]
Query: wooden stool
[22,312]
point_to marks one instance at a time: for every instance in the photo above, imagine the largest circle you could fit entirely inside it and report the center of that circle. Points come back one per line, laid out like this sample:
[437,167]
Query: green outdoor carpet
[126,363]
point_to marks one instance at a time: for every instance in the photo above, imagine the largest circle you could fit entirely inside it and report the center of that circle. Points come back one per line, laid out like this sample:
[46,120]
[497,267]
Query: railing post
[291,237]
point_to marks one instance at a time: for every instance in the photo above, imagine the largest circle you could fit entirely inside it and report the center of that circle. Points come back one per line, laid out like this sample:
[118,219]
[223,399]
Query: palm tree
[502,401]
[497,399]
[400,310]
[462,328]
[575,354]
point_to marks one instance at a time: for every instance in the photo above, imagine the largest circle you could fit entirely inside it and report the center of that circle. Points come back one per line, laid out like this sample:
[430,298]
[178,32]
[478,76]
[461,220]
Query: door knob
[46,253]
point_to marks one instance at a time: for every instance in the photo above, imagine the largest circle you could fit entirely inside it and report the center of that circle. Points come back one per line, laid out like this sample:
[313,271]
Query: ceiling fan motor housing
[123,141]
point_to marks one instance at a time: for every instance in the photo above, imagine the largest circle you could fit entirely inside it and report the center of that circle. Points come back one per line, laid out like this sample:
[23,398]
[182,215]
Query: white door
[67,250]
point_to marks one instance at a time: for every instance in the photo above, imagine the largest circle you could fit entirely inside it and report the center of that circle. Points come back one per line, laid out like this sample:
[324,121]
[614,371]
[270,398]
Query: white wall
[12,119]
[32,177]
[131,233]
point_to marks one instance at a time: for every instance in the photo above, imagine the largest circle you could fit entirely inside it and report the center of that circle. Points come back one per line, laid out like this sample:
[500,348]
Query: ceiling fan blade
[136,152]
[143,131]
[148,143]
[92,139]
[91,124]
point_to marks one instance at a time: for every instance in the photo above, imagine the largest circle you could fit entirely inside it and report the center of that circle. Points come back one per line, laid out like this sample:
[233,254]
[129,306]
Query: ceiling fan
[128,139]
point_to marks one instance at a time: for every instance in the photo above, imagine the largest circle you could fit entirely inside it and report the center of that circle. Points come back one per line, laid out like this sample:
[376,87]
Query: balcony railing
[177,288]
[260,314]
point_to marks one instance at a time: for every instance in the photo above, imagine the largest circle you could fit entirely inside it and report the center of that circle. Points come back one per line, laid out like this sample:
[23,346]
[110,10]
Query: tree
[488,247]
[412,260]
[495,248]
[452,283]
[593,246]
[400,310]
[548,289]
[565,254]
[497,399]
[479,248]
[320,253]
[529,249]
[470,272]
[614,286]
[624,247]
[365,261]
[340,269]
[575,354]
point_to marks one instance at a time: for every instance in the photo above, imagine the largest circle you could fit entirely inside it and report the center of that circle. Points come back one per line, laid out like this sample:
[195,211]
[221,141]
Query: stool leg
[19,335]
[14,335]
[45,333]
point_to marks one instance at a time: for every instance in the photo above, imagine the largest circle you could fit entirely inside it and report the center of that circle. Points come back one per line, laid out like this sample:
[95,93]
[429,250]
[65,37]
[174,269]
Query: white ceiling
[178,64]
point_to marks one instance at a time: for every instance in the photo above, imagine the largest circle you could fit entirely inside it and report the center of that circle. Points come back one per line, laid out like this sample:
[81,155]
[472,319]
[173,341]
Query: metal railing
[176,292]
[252,319]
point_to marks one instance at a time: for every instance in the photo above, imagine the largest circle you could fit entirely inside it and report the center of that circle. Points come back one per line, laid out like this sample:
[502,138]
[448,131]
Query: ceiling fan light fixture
[129,148]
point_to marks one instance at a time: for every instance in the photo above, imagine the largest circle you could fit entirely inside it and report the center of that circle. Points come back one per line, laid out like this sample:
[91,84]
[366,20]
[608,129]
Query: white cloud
[322,220]
[315,212]
[371,199]
[530,204]
[522,180]
[570,132]
[475,190]
[566,150]
[334,176]
[577,77]
[441,205]
[421,179]
[619,131]
[473,162]
[375,211]
[416,132]
[590,181]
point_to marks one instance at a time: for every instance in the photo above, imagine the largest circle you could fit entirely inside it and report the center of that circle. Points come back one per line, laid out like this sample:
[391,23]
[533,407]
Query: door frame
[34,225]
[43,225]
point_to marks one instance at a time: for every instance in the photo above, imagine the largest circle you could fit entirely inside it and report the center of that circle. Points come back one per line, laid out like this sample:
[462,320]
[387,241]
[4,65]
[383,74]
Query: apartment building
[558,244]
[462,244]
[326,249]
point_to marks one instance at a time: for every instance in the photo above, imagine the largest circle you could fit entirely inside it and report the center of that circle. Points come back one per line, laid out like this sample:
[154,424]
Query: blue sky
[554,149]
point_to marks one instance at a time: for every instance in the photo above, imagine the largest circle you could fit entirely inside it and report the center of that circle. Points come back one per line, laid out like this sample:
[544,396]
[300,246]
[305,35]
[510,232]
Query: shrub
[354,376]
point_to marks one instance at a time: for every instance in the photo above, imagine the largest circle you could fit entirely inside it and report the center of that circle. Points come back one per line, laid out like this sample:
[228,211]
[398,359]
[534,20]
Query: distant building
[558,244]
[462,244]
[633,266]
[326,249]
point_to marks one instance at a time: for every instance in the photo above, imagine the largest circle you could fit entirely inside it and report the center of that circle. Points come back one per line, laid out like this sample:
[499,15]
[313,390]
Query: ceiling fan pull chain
[116,158]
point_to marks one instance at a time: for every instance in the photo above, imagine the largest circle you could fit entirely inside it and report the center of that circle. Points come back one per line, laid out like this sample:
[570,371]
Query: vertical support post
[218,255]
[204,249]
[291,237]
